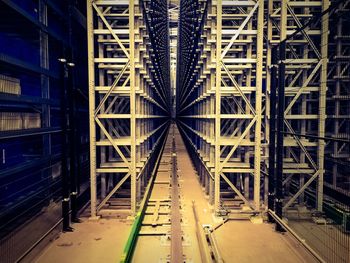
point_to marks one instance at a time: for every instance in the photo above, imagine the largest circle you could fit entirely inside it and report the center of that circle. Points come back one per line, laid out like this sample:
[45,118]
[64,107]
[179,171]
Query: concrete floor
[239,241]
[242,241]
[91,241]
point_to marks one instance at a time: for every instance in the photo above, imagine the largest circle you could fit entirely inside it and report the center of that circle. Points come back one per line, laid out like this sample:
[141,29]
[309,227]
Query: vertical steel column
[280,113]
[272,134]
[280,130]
[132,104]
[267,113]
[91,67]
[322,103]
[65,145]
[218,106]
[212,104]
[258,104]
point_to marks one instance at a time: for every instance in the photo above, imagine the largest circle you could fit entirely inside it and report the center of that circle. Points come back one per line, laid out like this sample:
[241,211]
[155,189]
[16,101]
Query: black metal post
[272,139]
[73,141]
[65,145]
[280,135]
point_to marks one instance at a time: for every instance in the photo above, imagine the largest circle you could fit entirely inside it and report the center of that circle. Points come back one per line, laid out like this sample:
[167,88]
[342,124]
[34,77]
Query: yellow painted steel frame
[239,61]
[127,119]
[227,111]
[306,79]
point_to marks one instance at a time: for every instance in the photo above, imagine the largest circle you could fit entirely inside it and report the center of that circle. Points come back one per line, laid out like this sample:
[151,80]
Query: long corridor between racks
[203,237]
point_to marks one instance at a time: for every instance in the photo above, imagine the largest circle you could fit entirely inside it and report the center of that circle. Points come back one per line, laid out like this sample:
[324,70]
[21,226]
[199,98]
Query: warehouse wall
[33,35]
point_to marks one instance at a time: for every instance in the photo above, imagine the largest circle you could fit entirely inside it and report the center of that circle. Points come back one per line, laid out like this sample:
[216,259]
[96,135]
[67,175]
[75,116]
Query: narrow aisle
[153,240]
[162,234]
[173,229]
[191,194]
[169,219]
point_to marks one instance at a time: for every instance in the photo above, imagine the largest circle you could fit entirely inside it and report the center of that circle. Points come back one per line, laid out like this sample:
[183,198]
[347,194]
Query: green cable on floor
[132,239]
[130,243]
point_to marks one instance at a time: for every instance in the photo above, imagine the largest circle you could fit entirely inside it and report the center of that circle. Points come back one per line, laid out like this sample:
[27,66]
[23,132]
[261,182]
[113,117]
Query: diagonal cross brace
[301,145]
[235,36]
[116,97]
[112,88]
[234,188]
[238,88]
[115,189]
[110,29]
[307,81]
[109,137]
[239,141]
[301,190]
[300,26]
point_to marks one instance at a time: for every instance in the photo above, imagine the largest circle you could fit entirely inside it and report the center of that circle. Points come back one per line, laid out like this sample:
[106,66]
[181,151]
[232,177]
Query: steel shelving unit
[129,90]
[222,112]
[338,93]
[304,65]
[30,115]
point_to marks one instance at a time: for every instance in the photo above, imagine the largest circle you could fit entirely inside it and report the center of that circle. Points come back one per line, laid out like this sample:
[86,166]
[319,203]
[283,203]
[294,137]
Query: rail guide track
[161,216]
[160,213]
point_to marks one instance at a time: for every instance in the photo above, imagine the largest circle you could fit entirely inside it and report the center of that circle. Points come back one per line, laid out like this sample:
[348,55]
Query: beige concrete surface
[92,241]
[242,241]
[190,191]
[238,241]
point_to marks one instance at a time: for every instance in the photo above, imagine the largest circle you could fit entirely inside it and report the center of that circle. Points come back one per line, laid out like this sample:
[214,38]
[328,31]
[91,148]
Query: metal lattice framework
[304,61]
[223,94]
[338,98]
[174,7]
[195,79]
[129,99]
[221,114]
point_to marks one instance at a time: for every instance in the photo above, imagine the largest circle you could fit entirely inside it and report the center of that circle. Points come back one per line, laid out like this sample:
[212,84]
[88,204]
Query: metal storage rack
[222,113]
[304,63]
[338,99]
[32,34]
[129,89]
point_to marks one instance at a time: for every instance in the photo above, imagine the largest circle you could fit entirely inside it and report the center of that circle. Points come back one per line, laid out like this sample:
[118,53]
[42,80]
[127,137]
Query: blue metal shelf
[30,159]
[31,16]
[10,98]
[14,62]
[28,132]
